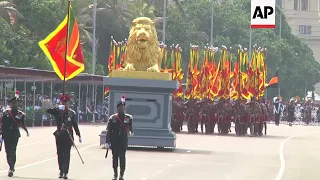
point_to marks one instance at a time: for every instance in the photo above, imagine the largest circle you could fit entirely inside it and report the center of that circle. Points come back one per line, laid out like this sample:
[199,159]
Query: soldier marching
[248,116]
[11,121]
[118,129]
[66,122]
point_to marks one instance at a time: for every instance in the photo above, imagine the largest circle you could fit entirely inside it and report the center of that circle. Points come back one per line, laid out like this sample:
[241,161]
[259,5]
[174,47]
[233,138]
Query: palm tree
[112,16]
[141,8]
[9,12]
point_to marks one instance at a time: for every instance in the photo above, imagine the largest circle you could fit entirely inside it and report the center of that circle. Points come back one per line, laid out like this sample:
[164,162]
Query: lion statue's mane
[145,55]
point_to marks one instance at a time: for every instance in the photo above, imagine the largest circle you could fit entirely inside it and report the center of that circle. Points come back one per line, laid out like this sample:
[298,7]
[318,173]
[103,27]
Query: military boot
[10,173]
[65,176]
[121,174]
[61,174]
[115,176]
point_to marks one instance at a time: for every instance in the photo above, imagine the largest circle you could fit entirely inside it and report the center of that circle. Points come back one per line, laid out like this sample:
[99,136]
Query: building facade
[304,18]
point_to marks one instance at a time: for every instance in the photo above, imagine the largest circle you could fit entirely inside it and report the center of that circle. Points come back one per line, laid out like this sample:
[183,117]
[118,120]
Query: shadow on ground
[171,150]
[34,178]
[233,135]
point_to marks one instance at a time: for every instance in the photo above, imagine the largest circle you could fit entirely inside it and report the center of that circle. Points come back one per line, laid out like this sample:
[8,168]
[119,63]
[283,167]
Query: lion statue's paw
[129,67]
[153,69]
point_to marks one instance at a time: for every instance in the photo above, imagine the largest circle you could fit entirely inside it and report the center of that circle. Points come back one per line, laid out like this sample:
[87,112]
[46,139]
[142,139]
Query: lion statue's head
[143,33]
[143,46]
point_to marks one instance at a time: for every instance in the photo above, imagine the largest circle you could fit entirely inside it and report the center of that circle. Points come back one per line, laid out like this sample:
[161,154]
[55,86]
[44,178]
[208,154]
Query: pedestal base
[150,104]
[153,138]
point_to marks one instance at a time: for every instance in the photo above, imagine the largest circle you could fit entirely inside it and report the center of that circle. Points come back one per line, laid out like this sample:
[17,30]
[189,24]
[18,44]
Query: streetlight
[94,49]
[164,21]
[211,32]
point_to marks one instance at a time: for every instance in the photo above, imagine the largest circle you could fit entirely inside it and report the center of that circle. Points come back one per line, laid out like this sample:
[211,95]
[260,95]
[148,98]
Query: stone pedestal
[150,104]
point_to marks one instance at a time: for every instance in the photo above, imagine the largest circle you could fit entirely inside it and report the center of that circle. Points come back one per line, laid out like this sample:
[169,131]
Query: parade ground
[286,153]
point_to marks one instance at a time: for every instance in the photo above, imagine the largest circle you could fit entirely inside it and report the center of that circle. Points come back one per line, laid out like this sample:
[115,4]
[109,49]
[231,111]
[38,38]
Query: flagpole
[94,49]
[280,36]
[250,44]
[266,73]
[239,74]
[94,37]
[66,52]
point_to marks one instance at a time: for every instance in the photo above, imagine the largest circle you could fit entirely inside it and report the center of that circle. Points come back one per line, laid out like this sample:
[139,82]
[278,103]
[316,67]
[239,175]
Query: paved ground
[197,156]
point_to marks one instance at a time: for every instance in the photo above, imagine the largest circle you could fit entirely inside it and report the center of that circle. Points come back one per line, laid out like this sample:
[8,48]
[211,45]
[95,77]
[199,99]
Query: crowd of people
[35,108]
[204,114]
[252,115]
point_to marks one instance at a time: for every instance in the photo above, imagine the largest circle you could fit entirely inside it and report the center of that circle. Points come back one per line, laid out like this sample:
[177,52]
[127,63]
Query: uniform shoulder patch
[129,116]
[112,116]
[72,111]
[20,112]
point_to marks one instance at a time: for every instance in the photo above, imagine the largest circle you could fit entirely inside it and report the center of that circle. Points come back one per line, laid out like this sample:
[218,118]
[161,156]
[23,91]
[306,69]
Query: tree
[188,22]
[141,9]
[293,58]
[20,43]
[9,12]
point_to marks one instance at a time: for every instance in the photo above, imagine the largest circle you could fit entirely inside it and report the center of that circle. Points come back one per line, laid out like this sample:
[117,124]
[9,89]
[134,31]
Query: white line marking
[47,160]
[25,145]
[281,153]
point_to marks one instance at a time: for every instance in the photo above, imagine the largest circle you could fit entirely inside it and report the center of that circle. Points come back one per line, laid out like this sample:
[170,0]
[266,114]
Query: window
[304,5]
[279,3]
[308,29]
[296,5]
[304,29]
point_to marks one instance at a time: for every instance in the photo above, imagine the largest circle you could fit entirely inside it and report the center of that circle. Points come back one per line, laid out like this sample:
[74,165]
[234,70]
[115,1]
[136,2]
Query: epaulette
[8,109]
[20,112]
[130,116]
[112,116]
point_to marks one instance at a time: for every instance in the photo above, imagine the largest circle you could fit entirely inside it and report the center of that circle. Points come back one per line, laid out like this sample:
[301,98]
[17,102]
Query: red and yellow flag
[65,39]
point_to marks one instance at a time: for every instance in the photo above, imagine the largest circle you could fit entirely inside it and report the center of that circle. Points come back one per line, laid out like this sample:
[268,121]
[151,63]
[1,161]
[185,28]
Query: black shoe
[115,174]
[60,175]
[121,174]
[10,173]
[65,176]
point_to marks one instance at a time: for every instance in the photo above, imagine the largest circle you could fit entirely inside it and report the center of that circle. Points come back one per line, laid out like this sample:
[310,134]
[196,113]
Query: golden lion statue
[143,51]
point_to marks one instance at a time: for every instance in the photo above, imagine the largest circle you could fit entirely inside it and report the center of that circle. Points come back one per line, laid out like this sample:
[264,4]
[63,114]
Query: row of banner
[212,73]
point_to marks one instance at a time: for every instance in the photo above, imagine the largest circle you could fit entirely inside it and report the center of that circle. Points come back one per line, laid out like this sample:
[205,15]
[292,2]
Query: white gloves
[131,133]
[107,146]
[80,140]
[62,107]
